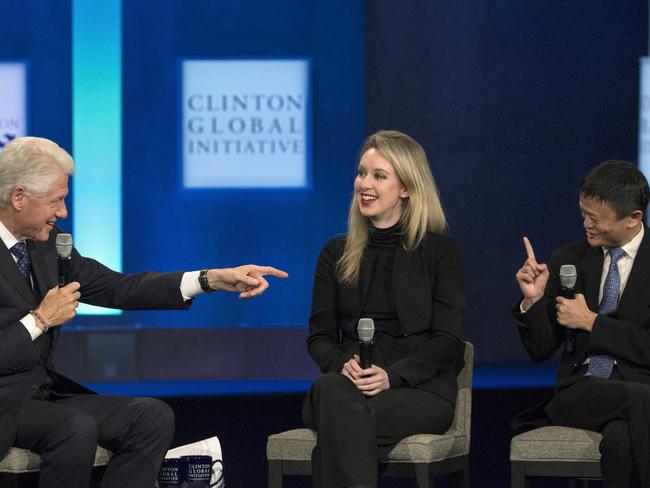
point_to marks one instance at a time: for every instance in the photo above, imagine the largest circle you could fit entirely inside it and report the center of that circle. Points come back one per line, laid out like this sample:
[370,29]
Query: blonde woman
[397,267]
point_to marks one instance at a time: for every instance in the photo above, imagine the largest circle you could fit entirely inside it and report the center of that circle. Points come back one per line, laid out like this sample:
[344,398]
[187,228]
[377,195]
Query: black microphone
[64,251]
[366,331]
[568,278]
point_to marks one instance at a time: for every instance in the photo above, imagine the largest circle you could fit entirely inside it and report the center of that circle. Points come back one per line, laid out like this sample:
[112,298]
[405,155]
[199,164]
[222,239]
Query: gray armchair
[19,461]
[422,456]
[554,452]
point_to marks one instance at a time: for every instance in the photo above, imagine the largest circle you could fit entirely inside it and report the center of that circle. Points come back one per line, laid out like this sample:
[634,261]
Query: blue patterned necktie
[20,251]
[601,366]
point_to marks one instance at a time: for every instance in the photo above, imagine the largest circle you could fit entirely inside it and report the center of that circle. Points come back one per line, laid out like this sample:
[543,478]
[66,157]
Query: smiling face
[378,190]
[602,225]
[35,215]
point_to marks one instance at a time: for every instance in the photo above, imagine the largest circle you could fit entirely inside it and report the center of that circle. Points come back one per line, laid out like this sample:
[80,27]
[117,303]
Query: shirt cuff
[190,285]
[521,308]
[30,324]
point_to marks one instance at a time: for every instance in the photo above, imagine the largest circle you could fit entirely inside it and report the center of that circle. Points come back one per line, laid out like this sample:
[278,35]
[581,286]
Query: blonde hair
[421,211]
[34,163]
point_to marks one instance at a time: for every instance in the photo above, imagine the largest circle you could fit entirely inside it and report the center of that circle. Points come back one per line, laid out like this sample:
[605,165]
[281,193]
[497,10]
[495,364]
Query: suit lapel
[636,286]
[591,265]
[44,270]
[9,270]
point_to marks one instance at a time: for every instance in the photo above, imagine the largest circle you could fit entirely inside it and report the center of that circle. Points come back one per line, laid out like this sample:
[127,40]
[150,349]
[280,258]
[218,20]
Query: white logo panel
[245,123]
[13,101]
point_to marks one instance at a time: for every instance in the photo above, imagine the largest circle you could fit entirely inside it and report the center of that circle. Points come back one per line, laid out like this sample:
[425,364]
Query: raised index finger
[529,249]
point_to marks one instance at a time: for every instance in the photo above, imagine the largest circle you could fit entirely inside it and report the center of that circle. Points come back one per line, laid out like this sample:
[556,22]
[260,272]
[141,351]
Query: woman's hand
[372,381]
[352,369]
[369,381]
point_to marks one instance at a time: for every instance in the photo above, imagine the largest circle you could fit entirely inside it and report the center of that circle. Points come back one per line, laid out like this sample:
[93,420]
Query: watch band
[203,281]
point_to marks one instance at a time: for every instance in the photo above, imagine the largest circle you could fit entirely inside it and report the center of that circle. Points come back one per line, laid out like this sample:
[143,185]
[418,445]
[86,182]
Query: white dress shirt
[624,264]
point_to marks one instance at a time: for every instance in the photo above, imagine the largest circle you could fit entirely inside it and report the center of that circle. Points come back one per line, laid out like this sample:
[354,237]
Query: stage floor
[243,423]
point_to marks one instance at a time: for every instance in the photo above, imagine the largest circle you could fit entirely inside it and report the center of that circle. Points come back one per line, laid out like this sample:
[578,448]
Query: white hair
[33,163]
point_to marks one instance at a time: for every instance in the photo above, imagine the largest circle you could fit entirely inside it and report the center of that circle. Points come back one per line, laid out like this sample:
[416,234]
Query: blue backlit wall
[513,101]
[167,227]
[164,227]
[97,133]
[38,32]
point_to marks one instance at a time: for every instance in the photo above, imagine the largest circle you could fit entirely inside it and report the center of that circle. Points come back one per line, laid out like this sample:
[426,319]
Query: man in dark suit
[40,409]
[604,379]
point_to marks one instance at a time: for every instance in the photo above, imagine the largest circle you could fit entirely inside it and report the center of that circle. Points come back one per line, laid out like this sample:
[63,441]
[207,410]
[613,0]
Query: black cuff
[395,380]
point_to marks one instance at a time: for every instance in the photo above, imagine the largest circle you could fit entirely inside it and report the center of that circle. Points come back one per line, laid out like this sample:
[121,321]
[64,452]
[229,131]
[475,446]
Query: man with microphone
[41,410]
[604,375]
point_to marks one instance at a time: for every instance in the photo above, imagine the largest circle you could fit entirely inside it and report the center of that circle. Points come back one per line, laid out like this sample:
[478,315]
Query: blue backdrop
[513,101]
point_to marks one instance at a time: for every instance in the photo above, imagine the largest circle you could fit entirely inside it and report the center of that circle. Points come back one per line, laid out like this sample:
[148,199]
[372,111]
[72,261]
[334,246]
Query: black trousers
[620,410]
[65,430]
[354,431]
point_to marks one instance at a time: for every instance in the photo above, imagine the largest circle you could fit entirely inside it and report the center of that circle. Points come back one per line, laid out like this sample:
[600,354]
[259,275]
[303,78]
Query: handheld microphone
[568,278]
[64,252]
[366,331]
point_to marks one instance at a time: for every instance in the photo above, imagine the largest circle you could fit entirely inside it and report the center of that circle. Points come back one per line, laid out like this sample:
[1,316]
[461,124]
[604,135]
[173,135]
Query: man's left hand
[575,314]
[248,279]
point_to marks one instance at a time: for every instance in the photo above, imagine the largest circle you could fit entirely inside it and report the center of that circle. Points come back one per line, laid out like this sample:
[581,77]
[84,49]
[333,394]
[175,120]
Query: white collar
[632,247]
[7,237]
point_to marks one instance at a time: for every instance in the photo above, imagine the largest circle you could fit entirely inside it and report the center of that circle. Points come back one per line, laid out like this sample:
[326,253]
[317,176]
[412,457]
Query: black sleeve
[623,339]
[323,342]
[104,287]
[538,328]
[16,349]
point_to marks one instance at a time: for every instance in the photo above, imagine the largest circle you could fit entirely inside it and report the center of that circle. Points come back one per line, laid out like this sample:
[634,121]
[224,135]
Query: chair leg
[460,479]
[275,474]
[422,475]
[518,475]
[578,483]
[8,480]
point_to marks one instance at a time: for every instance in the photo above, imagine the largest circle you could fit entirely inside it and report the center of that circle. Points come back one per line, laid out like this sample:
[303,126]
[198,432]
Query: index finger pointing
[268,270]
[529,249]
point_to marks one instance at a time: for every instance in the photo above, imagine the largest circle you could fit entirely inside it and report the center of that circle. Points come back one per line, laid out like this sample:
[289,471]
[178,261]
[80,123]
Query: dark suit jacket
[19,361]
[428,288]
[625,335]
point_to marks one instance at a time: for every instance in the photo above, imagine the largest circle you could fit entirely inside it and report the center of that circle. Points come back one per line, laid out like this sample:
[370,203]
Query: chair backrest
[463,414]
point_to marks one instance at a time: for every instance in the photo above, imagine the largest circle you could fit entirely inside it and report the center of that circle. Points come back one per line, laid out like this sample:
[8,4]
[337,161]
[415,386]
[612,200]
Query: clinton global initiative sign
[13,101]
[245,123]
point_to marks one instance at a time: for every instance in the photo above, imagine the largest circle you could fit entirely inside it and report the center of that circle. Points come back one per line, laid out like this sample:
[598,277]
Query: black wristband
[203,281]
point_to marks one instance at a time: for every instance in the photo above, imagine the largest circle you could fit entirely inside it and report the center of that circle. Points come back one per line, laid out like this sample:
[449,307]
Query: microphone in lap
[64,252]
[568,278]
[366,331]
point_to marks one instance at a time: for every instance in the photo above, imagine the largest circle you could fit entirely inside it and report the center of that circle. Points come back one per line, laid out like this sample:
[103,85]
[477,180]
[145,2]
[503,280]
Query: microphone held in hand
[568,278]
[64,252]
[366,331]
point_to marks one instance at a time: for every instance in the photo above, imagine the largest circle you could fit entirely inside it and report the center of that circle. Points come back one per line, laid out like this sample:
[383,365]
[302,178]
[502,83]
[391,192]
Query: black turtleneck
[379,303]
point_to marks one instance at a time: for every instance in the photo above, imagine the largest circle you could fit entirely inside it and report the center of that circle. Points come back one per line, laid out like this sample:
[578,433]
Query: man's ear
[635,218]
[17,197]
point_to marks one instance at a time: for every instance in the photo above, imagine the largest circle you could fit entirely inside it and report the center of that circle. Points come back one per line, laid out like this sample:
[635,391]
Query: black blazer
[625,335]
[429,293]
[19,371]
